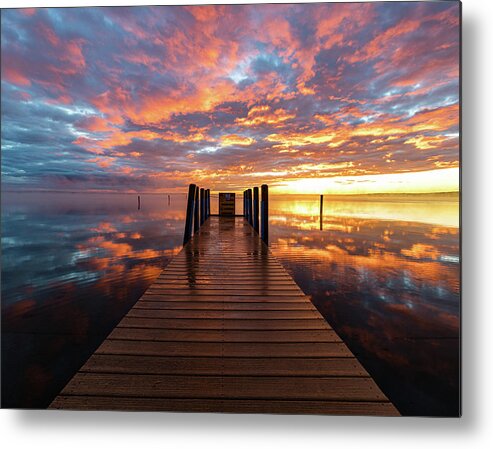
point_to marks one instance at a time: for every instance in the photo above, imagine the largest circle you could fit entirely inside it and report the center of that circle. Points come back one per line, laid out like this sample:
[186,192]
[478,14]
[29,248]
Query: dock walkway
[224,328]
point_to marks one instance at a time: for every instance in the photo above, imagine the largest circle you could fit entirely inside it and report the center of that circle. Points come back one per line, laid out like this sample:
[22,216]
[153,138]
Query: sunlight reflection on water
[386,277]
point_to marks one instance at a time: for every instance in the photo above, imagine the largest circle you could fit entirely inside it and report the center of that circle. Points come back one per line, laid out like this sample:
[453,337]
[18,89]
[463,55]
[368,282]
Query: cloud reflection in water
[389,287]
[72,266]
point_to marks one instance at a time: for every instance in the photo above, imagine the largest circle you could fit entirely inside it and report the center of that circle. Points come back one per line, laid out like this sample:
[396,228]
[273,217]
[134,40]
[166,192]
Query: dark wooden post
[250,207]
[138,202]
[255,210]
[196,220]
[202,206]
[321,212]
[189,218]
[245,196]
[244,204]
[207,203]
[264,212]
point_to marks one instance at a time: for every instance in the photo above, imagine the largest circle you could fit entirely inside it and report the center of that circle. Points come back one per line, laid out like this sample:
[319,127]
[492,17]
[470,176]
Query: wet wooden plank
[229,366]
[225,282]
[223,349]
[225,314]
[246,387]
[279,336]
[163,323]
[224,291]
[225,299]
[218,286]
[213,260]
[221,277]
[218,305]
[270,406]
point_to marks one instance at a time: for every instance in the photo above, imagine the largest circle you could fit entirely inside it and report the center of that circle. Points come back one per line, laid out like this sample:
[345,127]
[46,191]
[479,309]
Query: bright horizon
[341,99]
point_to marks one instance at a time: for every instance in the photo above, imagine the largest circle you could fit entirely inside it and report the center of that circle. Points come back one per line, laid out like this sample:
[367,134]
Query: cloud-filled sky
[351,97]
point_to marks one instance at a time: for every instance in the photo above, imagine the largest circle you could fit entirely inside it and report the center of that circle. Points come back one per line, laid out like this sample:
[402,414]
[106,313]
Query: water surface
[72,266]
[383,271]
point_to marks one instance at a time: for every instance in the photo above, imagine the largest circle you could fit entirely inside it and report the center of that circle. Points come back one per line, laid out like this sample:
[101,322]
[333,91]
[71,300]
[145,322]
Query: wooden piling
[196,221]
[321,212]
[245,195]
[202,206]
[189,217]
[138,202]
[256,210]
[250,206]
[264,213]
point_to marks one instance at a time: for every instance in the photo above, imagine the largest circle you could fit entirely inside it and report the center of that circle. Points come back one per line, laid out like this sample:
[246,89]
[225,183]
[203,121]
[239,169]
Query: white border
[52,429]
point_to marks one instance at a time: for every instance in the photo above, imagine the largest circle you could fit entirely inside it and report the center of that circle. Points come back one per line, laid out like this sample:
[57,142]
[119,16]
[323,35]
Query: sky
[307,98]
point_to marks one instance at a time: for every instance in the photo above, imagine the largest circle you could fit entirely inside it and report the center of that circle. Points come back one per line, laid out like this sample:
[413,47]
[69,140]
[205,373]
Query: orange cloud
[103,162]
[14,75]
[126,170]
[160,106]
[301,139]
[439,119]
[94,124]
[426,142]
[263,115]
[234,139]
[376,47]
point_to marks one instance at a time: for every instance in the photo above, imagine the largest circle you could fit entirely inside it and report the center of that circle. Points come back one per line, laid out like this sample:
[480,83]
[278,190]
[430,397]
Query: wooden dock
[224,328]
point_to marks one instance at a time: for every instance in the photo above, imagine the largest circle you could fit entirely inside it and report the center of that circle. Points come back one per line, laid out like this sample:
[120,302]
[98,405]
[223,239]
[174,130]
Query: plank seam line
[300,309]
[208,329]
[290,357]
[235,398]
[335,358]
[222,341]
[228,319]
[304,376]
[227,330]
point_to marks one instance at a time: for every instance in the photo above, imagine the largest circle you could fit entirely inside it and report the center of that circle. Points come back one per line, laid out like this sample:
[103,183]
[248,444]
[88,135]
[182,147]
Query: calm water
[72,265]
[384,272]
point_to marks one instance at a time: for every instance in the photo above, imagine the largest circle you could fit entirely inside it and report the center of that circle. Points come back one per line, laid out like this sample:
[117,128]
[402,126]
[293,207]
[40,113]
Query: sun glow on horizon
[431,181]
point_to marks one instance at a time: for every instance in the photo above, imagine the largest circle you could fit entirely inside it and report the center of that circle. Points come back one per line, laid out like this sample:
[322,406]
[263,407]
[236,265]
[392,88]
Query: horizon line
[114,192]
